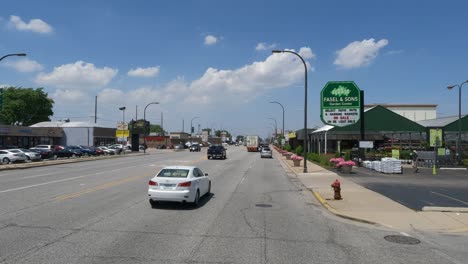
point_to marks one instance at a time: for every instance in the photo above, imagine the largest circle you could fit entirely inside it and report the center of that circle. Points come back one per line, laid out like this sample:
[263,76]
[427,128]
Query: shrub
[287,147]
[299,150]
[295,157]
[465,162]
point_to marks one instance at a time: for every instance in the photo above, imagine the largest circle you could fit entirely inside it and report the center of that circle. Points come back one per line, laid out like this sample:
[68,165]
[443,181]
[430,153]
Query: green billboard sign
[1,99]
[340,103]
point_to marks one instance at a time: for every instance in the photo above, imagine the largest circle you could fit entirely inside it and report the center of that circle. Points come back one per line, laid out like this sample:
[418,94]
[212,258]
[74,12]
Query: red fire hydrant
[337,188]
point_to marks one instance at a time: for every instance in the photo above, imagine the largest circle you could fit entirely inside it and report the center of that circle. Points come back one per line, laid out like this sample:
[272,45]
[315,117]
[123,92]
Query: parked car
[86,151]
[216,151]
[68,153]
[266,153]
[45,154]
[106,150]
[117,147]
[30,155]
[162,146]
[97,150]
[180,146]
[46,151]
[6,156]
[195,147]
[179,184]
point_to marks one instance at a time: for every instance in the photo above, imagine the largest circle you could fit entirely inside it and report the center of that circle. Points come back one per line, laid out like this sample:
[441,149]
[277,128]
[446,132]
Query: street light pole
[283,114]
[191,127]
[123,123]
[459,146]
[14,54]
[276,127]
[305,103]
[144,121]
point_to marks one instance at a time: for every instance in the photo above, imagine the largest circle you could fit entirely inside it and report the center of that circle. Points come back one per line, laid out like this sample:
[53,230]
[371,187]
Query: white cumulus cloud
[277,71]
[306,53]
[144,72]
[34,25]
[265,46]
[79,75]
[25,65]
[357,54]
[210,40]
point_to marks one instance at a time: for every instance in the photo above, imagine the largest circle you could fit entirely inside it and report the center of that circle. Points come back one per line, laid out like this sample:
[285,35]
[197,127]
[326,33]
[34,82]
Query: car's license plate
[167,186]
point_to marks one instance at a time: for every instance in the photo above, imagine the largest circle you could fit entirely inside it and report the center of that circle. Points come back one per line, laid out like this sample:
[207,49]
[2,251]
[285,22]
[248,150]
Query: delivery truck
[252,143]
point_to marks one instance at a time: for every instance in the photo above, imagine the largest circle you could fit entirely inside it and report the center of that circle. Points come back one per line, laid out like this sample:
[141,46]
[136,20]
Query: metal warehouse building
[81,133]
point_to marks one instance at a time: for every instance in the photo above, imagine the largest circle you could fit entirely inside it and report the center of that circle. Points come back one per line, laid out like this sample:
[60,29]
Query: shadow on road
[184,206]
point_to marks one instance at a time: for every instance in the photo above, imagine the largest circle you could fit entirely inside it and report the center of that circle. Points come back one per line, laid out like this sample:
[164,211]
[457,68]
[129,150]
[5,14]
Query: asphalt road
[98,212]
[448,188]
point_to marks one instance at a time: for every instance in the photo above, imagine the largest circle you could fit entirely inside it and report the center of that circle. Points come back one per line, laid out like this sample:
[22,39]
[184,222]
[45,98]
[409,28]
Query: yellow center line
[100,187]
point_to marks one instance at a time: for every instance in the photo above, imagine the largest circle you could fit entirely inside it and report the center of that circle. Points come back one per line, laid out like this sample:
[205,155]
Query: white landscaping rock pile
[387,165]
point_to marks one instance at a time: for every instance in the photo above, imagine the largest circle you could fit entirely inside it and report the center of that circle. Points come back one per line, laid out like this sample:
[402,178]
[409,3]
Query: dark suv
[216,151]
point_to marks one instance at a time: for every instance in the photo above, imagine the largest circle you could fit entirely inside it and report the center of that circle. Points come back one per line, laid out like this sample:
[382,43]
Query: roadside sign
[435,137]
[340,103]
[396,153]
[122,126]
[122,133]
[366,144]
[1,99]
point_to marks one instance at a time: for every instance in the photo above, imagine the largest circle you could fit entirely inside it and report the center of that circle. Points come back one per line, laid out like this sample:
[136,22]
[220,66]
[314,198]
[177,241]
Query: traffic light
[193,130]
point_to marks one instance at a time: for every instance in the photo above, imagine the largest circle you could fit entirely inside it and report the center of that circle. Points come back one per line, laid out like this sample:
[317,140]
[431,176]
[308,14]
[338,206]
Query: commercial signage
[340,103]
[122,133]
[435,137]
[396,153]
[122,126]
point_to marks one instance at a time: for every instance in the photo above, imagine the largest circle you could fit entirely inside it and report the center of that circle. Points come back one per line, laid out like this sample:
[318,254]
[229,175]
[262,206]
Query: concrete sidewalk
[363,205]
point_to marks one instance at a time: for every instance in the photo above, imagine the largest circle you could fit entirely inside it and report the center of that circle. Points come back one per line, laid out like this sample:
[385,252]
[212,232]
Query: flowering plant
[337,160]
[346,163]
[295,157]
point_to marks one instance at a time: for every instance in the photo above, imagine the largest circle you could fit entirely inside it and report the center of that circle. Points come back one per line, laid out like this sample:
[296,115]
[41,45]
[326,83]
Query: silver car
[7,156]
[30,155]
[266,153]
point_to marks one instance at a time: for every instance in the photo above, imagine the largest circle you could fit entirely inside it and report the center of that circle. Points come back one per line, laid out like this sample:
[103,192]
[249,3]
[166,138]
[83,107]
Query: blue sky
[212,59]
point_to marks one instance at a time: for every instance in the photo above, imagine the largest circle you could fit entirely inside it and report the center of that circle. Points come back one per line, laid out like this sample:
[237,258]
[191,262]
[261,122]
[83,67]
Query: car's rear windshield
[266,149]
[174,173]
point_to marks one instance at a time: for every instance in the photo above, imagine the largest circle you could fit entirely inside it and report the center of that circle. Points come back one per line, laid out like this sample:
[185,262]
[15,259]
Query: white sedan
[179,184]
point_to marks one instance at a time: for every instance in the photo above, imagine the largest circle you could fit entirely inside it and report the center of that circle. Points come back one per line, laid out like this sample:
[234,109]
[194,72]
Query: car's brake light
[185,184]
[153,183]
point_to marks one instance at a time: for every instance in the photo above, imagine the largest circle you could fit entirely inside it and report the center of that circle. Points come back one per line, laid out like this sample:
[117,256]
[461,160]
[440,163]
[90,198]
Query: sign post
[340,103]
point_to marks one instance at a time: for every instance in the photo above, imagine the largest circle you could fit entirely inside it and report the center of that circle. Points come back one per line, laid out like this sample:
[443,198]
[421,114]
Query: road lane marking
[52,182]
[460,201]
[100,187]
[44,183]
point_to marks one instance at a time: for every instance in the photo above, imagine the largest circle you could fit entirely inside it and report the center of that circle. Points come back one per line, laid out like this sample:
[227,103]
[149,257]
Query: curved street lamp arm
[14,54]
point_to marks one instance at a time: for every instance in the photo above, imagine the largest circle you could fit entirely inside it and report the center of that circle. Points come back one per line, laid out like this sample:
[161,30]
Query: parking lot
[416,190]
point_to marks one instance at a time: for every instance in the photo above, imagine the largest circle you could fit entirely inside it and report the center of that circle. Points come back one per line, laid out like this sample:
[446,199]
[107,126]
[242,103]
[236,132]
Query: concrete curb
[445,209]
[36,164]
[325,204]
[333,211]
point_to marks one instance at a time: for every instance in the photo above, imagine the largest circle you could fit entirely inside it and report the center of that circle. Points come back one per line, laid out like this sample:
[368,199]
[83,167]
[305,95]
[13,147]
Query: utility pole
[162,118]
[95,111]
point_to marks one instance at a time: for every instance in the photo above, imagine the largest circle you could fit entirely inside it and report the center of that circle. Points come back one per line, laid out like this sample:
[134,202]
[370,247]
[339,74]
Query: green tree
[208,130]
[218,133]
[156,129]
[25,105]
[239,138]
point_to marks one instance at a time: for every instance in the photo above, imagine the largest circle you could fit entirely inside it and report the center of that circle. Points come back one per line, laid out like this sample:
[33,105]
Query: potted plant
[288,155]
[336,161]
[346,166]
[296,160]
